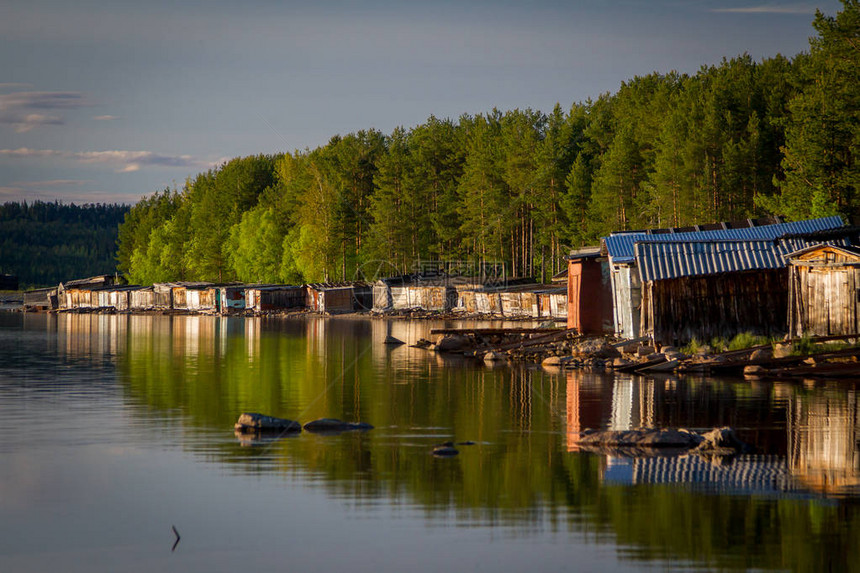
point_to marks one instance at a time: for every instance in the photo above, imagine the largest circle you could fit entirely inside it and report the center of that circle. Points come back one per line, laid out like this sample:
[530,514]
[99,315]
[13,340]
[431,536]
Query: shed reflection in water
[792,505]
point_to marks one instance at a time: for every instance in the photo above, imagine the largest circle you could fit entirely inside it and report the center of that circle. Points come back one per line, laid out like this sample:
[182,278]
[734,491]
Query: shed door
[574,320]
[840,299]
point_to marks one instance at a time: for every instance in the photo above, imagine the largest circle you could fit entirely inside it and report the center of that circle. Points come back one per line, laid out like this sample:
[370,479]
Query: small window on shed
[857,297]
[829,257]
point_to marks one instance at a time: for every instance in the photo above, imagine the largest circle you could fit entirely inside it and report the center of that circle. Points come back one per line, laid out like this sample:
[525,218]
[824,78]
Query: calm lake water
[116,428]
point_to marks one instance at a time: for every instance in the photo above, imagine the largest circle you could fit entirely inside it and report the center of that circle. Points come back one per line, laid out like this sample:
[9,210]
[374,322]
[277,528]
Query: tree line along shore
[520,187]
[517,188]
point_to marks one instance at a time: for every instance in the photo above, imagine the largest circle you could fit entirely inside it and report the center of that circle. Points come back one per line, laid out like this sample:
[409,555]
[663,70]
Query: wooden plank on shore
[770,363]
[635,366]
[827,370]
[495,331]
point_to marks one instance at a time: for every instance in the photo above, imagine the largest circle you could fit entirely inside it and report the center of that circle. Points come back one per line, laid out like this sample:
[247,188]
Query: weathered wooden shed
[713,289]
[589,292]
[40,299]
[477,301]
[192,296]
[231,298]
[119,298]
[824,290]
[519,303]
[334,298]
[274,297]
[414,291]
[142,299]
[78,293]
[624,274]
[157,297]
[552,303]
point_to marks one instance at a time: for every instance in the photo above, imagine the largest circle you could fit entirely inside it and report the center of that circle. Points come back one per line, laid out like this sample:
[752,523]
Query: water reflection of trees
[206,370]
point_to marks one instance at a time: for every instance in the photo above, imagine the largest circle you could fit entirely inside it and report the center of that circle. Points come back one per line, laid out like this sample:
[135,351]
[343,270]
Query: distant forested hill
[45,243]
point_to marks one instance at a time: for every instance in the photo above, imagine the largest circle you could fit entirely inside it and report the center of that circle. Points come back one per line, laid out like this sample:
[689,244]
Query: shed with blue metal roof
[756,244]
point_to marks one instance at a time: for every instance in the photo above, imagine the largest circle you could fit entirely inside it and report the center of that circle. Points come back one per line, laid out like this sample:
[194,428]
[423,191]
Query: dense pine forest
[735,140]
[45,243]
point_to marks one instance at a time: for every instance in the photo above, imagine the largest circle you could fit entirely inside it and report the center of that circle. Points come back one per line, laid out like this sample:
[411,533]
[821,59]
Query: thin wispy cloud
[25,111]
[769,9]
[105,117]
[122,161]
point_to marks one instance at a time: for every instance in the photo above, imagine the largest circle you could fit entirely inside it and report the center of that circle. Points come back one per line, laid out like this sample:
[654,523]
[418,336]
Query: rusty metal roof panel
[669,260]
[620,247]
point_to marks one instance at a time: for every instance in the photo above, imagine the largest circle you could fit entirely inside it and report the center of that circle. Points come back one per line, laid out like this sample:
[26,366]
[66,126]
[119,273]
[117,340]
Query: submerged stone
[717,441]
[334,425]
[649,438]
[721,440]
[445,450]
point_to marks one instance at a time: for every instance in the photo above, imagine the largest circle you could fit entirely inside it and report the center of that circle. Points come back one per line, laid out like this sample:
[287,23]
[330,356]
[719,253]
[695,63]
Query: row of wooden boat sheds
[428,291]
[763,276]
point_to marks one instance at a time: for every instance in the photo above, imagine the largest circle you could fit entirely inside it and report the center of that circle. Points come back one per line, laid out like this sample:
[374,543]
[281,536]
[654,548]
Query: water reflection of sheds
[822,439]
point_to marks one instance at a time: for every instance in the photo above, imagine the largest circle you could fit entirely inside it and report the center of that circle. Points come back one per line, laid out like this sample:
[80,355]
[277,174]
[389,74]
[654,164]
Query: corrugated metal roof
[620,247]
[670,260]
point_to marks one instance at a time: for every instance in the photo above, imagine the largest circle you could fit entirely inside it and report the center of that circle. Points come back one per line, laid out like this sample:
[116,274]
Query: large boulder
[252,422]
[721,441]
[782,350]
[645,438]
[761,354]
[596,347]
[454,343]
[332,425]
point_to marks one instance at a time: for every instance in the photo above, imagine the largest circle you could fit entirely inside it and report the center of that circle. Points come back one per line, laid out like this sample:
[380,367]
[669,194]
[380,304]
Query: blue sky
[107,101]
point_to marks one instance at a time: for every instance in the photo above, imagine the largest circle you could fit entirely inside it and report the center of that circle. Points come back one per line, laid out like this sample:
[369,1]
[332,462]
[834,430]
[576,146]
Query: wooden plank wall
[825,300]
[676,310]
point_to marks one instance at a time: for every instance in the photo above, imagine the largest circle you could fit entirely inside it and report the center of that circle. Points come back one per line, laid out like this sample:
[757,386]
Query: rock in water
[445,450]
[597,347]
[646,438]
[721,440]
[333,425]
[754,371]
[393,341]
[422,343]
[251,422]
[453,343]
[493,356]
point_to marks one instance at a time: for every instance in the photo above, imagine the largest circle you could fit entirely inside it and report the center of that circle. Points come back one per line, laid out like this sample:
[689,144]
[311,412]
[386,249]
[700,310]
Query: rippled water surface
[116,428]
